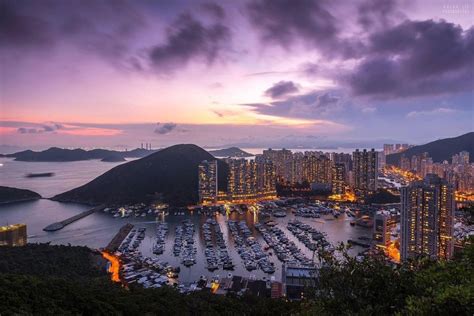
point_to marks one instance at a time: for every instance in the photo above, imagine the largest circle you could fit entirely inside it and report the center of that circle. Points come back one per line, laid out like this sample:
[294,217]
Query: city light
[114,268]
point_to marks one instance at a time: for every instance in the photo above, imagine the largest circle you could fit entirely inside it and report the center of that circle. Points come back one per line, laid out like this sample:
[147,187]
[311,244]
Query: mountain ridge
[169,175]
[56,154]
[439,150]
[230,152]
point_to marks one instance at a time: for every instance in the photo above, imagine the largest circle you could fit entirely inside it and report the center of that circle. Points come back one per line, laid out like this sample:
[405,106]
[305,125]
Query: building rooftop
[11,227]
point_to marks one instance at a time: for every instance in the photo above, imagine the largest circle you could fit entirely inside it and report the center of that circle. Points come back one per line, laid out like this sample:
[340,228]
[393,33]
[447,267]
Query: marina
[60,225]
[99,228]
[192,246]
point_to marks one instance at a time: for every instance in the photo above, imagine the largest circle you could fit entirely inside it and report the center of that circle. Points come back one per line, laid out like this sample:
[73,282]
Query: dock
[358,243]
[118,238]
[60,225]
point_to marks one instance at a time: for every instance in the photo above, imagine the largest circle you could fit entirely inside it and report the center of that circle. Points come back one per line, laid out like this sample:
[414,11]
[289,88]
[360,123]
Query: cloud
[165,128]
[286,22]
[283,21]
[378,14]
[216,85]
[21,30]
[369,109]
[218,113]
[314,104]
[416,58]
[437,111]
[46,128]
[103,28]
[189,39]
[280,89]
[213,9]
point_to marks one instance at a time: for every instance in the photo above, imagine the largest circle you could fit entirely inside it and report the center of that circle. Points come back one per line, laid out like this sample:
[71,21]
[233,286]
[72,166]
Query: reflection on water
[98,229]
[67,175]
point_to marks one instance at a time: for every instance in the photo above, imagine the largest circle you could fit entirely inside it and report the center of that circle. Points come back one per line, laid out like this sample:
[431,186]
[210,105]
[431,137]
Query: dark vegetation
[348,287]
[382,196]
[170,175]
[48,260]
[439,150]
[11,195]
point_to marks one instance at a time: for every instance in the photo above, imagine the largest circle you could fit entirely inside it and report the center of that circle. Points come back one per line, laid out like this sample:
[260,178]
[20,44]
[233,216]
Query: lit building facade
[427,219]
[383,225]
[365,170]
[266,174]
[338,179]
[207,175]
[283,162]
[251,179]
[13,235]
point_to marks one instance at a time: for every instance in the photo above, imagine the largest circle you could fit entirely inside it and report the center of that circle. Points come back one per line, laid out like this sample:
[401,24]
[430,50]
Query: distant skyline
[255,73]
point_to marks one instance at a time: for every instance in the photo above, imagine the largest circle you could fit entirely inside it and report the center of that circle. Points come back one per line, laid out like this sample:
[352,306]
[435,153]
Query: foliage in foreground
[370,287]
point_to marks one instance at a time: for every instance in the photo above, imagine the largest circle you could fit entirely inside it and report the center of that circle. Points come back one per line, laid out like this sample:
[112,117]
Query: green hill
[170,174]
[439,150]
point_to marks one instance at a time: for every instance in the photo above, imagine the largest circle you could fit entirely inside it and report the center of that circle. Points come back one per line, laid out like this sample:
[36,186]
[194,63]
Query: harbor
[60,225]
[189,247]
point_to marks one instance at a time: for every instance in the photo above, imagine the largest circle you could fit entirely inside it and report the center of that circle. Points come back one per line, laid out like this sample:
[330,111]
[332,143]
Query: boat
[228,266]
[40,175]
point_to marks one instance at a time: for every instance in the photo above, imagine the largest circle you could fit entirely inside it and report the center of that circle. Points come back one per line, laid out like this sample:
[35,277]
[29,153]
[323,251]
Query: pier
[60,225]
[118,238]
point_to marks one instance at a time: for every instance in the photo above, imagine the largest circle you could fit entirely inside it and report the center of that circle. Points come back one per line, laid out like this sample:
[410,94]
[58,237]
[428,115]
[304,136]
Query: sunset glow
[260,73]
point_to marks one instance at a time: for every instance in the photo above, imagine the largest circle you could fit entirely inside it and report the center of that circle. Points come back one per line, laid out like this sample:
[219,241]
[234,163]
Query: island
[55,154]
[169,175]
[113,158]
[12,195]
[230,152]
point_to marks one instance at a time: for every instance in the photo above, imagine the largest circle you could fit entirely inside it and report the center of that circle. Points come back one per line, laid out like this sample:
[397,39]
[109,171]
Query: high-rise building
[338,179]
[405,163]
[251,179]
[13,235]
[365,170]
[297,168]
[345,159]
[242,178]
[382,160]
[266,177]
[283,162]
[324,166]
[383,225]
[388,149]
[427,211]
[207,175]
[461,159]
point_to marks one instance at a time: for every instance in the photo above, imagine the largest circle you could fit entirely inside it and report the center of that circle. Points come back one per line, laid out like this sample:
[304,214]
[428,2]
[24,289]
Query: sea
[96,230]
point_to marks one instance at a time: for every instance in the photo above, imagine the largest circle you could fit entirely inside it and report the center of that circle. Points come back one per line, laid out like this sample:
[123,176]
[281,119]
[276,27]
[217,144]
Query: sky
[253,73]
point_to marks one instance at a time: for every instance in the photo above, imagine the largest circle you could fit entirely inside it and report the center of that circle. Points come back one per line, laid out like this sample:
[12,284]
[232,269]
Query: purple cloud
[46,128]
[165,128]
[189,39]
[214,10]
[315,104]
[416,58]
[281,89]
